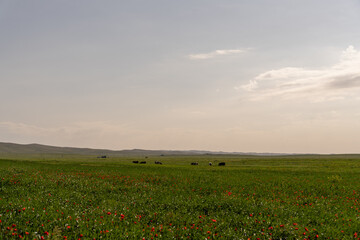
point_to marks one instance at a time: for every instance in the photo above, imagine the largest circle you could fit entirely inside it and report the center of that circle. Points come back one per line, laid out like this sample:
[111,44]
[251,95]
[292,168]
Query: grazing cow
[143,162]
[194,163]
[135,161]
[210,163]
[221,164]
[157,162]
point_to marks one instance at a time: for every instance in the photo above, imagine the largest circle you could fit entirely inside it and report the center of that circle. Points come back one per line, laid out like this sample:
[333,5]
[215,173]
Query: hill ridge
[35,148]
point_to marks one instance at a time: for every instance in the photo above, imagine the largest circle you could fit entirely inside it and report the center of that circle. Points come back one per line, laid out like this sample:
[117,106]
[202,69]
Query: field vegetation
[252,197]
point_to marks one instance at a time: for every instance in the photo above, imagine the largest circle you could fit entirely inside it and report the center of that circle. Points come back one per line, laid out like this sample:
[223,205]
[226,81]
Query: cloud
[26,129]
[216,53]
[331,83]
[82,134]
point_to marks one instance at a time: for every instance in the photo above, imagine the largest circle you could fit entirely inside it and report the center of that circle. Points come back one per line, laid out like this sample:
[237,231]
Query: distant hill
[13,148]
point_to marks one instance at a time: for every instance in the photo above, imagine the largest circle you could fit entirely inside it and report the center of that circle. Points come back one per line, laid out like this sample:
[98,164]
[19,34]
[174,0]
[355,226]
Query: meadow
[252,197]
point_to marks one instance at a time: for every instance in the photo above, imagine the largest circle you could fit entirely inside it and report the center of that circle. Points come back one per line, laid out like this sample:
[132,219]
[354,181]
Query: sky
[222,75]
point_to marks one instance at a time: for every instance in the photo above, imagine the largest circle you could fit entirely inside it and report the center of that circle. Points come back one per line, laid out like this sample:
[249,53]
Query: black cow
[221,164]
[143,162]
[194,163]
[157,162]
[135,161]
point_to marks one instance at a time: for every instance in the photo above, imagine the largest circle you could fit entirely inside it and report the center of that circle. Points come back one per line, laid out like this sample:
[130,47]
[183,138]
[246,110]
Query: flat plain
[251,197]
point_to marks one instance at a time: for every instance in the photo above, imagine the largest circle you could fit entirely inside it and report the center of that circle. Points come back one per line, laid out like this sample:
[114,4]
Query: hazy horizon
[235,76]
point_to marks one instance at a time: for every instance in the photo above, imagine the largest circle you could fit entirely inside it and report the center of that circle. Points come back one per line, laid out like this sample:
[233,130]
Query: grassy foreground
[294,197]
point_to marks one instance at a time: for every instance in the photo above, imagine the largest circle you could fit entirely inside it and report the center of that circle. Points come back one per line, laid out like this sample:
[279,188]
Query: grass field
[285,197]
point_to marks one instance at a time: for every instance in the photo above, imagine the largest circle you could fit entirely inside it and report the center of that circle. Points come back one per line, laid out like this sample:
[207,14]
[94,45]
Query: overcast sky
[229,75]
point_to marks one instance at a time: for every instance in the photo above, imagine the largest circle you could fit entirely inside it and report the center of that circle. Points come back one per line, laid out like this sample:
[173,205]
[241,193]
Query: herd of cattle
[193,163]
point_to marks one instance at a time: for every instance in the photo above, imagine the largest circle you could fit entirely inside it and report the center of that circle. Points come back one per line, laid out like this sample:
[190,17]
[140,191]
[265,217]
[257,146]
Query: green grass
[286,197]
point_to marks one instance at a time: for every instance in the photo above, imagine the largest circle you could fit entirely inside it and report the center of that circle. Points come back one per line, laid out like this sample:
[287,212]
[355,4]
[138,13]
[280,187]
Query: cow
[221,164]
[157,162]
[210,163]
[135,161]
[194,163]
[143,162]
